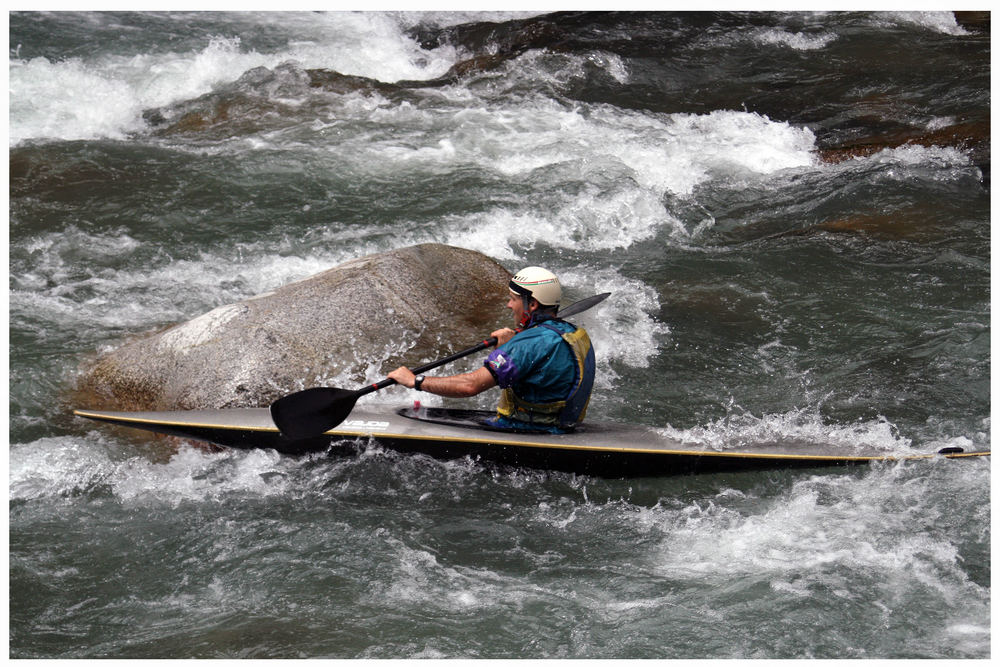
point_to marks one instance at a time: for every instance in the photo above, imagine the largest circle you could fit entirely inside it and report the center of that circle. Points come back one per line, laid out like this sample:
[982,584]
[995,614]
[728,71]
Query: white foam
[797,40]
[370,44]
[68,100]
[941,157]
[600,174]
[459,17]
[420,579]
[104,98]
[195,475]
[54,467]
[77,99]
[943,22]
[588,222]
[624,327]
[824,527]
[543,142]
[937,163]
[662,153]
[741,429]
[59,287]
[65,466]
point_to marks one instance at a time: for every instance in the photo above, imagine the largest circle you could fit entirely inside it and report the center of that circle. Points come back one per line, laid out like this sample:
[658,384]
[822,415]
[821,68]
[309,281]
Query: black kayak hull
[599,449]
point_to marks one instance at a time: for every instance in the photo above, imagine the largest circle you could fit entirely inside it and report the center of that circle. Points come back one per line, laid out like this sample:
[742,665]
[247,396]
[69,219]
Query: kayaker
[545,367]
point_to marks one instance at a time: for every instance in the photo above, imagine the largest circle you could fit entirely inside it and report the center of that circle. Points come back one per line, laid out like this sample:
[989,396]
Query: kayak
[601,449]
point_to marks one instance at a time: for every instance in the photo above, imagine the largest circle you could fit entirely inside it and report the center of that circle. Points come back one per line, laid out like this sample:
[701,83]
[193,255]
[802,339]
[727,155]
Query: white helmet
[534,281]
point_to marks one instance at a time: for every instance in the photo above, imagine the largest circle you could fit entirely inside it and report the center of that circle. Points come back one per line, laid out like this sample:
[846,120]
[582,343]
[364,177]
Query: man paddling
[545,368]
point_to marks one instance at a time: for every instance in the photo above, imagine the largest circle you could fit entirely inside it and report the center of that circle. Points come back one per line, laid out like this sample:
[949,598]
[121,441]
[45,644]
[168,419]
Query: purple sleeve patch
[502,367]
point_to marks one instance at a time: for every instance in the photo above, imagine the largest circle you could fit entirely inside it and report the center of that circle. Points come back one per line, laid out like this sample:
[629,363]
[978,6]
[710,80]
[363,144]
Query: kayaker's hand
[403,376]
[503,335]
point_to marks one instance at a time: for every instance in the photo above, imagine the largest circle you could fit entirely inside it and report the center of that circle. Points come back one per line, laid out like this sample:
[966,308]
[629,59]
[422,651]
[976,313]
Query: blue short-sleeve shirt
[536,363]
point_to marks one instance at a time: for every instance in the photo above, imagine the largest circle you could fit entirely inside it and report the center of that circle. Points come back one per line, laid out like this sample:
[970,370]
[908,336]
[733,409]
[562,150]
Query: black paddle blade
[312,412]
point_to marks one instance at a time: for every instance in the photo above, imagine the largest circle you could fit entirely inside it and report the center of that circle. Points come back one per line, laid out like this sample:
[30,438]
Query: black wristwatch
[417,381]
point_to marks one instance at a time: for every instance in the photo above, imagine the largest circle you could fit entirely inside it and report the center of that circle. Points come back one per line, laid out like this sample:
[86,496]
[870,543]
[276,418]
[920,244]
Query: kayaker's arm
[452,386]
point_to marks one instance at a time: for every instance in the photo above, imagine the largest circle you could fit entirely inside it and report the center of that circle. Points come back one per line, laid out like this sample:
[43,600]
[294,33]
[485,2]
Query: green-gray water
[792,211]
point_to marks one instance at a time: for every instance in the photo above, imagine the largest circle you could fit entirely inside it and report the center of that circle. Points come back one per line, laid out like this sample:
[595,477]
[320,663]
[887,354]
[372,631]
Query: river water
[792,211]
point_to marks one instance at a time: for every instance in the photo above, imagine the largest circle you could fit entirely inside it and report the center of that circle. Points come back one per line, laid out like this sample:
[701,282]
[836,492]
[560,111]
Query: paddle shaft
[489,342]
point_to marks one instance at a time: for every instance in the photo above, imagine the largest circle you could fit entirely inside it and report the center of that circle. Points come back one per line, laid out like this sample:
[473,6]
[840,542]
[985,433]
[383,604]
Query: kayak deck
[595,448]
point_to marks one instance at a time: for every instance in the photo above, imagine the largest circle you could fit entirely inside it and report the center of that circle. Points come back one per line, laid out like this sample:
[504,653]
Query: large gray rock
[403,306]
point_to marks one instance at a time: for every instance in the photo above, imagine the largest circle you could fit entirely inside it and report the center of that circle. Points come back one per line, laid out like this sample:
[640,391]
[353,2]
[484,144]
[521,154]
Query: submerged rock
[428,298]
[971,135]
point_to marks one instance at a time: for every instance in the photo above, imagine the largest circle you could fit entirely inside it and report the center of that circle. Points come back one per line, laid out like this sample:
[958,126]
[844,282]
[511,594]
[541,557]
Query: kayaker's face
[516,305]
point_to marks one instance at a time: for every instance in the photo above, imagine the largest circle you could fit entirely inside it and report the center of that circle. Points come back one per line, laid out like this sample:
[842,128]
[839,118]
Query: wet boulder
[257,100]
[971,135]
[365,316]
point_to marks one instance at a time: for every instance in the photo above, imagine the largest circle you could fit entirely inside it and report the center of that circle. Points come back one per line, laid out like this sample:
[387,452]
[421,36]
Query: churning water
[792,211]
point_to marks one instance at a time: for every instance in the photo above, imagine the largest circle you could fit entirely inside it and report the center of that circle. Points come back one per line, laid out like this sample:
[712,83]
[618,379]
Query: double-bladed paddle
[312,412]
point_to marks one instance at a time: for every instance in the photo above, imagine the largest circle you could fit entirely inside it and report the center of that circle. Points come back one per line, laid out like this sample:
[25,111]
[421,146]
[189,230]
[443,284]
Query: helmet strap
[526,308]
